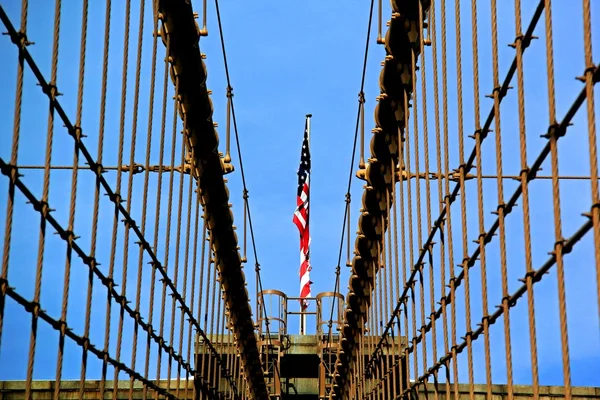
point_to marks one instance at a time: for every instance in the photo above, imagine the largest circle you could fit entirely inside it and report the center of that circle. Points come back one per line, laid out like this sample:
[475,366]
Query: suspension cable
[348,198]
[245,189]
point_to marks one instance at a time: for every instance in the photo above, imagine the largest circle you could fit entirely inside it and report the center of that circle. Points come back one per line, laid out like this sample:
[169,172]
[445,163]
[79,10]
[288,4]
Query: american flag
[301,216]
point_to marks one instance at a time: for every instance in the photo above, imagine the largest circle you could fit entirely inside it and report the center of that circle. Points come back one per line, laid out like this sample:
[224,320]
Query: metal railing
[276,304]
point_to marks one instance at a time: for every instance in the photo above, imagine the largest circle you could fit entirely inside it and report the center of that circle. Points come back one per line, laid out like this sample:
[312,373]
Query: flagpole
[308,117]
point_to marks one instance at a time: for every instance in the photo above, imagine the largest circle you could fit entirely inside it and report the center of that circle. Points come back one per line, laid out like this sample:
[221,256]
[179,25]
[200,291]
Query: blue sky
[286,61]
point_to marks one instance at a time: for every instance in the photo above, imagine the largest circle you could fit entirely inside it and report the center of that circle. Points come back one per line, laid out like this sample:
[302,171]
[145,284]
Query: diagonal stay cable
[535,276]
[559,131]
[61,325]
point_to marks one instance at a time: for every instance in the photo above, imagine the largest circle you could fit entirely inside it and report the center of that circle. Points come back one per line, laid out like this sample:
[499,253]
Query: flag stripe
[301,217]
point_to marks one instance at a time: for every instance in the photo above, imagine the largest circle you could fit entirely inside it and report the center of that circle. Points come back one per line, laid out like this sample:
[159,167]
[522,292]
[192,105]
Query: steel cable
[348,198]
[96,167]
[451,195]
